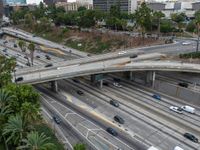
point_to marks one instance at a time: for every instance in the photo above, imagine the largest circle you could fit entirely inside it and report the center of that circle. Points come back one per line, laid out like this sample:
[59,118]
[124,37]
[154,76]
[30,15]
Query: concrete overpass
[32,38]
[107,66]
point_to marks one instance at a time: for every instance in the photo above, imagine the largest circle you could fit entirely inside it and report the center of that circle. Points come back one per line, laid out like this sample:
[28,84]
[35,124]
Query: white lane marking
[91,123]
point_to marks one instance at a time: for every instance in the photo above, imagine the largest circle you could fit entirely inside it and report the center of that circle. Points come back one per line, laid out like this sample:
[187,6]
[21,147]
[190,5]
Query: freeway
[142,123]
[89,127]
[32,38]
[115,65]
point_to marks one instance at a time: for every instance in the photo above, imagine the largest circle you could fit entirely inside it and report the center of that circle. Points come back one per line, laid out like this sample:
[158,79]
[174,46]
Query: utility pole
[198,38]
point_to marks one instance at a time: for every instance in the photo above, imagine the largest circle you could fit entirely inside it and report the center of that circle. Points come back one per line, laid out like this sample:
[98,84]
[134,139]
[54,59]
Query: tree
[178,18]
[31,48]
[87,19]
[36,141]
[197,22]
[22,46]
[166,26]
[5,97]
[115,11]
[143,18]
[28,19]
[158,15]
[79,147]
[22,94]
[7,65]
[82,8]
[14,129]
[30,112]
[191,26]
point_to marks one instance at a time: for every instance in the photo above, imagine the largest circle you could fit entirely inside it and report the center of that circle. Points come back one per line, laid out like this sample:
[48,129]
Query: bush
[190,55]
[191,26]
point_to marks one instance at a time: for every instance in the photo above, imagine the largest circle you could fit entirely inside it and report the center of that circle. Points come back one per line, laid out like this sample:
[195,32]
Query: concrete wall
[177,91]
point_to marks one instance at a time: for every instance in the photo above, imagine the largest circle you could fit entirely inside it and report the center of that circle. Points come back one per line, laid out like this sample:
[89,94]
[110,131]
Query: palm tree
[31,48]
[36,141]
[22,46]
[5,97]
[197,21]
[30,112]
[14,129]
[158,15]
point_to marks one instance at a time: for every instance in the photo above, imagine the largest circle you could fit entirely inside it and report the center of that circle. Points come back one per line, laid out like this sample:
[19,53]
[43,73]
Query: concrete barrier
[185,94]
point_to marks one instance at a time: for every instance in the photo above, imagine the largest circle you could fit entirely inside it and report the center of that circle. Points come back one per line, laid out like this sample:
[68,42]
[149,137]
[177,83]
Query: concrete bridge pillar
[150,78]
[131,76]
[54,86]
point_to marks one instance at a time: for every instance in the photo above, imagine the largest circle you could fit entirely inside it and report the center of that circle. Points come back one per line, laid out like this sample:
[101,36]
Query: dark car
[156,96]
[112,131]
[6,54]
[28,64]
[75,80]
[80,92]
[116,79]
[19,79]
[48,57]
[25,57]
[15,45]
[37,56]
[106,83]
[133,56]
[190,137]
[57,119]
[183,84]
[119,119]
[49,65]
[5,50]
[114,103]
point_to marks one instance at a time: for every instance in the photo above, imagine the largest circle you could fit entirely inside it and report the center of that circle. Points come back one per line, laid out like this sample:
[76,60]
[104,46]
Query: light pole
[15,75]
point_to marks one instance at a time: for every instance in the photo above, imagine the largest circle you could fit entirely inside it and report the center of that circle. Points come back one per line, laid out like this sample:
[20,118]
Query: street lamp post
[15,75]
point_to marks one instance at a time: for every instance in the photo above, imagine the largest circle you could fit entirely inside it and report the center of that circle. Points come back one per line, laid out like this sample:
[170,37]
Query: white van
[188,109]
[152,148]
[178,148]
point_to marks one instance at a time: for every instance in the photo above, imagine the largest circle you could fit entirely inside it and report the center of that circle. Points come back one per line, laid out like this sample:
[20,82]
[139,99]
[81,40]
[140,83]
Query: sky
[38,1]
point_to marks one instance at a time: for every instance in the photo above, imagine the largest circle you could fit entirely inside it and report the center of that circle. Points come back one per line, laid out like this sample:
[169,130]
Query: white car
[122,52]
[186,43]
[176,109]
[117,84]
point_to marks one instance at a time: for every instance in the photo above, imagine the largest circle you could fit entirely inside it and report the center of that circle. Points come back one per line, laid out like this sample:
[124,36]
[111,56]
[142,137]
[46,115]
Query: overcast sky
[38,1]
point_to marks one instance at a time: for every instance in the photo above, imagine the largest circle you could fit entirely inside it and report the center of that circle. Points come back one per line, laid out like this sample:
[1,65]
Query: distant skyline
[38,1]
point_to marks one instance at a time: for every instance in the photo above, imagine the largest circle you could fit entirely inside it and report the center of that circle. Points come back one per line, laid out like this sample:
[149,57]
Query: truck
[188,109]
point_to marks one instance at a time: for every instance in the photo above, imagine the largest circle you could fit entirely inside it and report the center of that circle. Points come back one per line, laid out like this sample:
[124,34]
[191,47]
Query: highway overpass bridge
[107,66]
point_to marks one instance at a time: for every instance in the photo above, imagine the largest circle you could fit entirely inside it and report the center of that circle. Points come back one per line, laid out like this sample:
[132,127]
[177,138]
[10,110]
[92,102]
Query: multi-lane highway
[85,110]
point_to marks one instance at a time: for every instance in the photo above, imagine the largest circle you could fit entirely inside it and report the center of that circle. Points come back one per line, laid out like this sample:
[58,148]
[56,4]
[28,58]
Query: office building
[14,2]
[73,6]
[125,5]
[51,2]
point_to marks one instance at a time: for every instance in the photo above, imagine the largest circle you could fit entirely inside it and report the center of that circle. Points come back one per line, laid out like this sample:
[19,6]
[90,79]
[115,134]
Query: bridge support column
[54,86]
[150,78]
[131,76]
[101,84]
